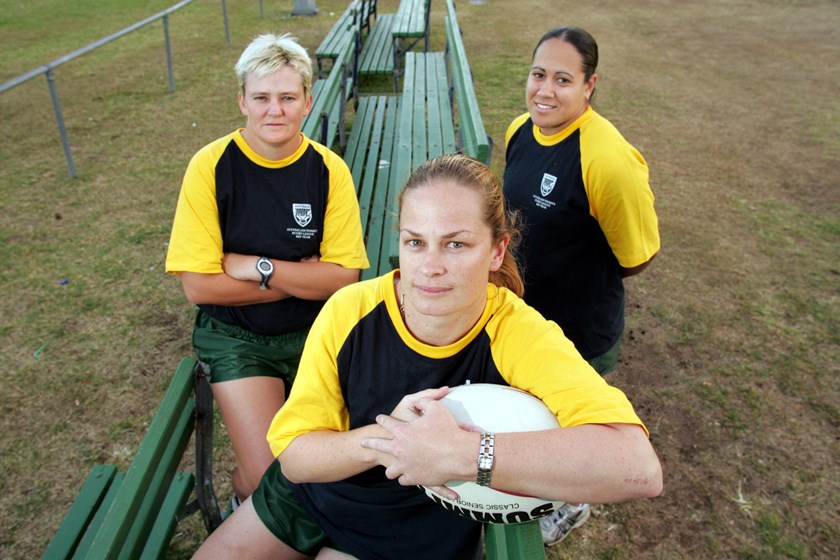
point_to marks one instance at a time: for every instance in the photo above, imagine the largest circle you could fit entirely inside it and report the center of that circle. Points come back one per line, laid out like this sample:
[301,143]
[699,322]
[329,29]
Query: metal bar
[325,128]
[86,49]
[23,78]
[65,143]
[168,53]
[47,69]
[225,18]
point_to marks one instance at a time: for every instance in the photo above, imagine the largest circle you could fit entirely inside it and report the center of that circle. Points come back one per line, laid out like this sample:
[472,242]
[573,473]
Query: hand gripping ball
[497,409]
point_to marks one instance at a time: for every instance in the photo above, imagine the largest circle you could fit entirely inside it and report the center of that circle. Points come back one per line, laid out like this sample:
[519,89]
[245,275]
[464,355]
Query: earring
[402,304]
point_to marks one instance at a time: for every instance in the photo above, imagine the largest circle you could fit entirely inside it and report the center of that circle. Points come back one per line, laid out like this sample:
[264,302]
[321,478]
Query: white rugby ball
[497,409]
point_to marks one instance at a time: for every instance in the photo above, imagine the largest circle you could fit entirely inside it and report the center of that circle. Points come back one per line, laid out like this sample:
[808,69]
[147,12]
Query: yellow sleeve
[616,179]
[343,242]
[195,244]
[514,125]
[553,370]
[316,402]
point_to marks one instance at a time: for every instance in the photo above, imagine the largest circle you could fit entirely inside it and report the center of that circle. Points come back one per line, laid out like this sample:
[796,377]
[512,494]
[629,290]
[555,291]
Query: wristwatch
[485,459]
[266,268]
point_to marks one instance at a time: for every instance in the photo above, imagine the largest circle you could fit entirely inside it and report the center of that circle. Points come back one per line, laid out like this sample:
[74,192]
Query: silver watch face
[265,265]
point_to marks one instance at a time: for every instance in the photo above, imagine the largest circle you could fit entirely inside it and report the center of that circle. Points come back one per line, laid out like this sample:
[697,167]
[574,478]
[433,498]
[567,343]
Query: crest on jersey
[547,185]
[302,213]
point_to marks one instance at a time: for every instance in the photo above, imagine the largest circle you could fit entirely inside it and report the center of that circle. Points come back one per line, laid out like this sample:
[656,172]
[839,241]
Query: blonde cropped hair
[473,174]
[268,53]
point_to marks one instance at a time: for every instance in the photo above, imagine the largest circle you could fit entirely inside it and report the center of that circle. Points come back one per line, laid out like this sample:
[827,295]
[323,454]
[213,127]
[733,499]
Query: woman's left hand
[430,450]
[410,407]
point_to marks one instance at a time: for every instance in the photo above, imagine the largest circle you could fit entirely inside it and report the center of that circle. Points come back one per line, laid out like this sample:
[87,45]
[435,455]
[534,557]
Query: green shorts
[231,352]
[280,511]
[607,361]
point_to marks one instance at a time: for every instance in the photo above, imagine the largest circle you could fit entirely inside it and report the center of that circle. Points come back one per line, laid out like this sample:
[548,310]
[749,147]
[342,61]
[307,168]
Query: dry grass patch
[731,351]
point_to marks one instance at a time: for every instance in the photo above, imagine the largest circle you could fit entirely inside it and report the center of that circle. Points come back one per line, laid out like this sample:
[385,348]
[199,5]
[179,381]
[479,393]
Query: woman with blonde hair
[267,227]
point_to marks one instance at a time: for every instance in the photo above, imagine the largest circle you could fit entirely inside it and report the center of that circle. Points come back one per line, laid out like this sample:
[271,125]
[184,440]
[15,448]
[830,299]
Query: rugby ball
[497,409]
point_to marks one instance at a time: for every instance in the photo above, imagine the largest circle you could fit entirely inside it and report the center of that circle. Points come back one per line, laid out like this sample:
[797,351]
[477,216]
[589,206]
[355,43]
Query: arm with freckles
[594,463]
[328,456]
[591,463]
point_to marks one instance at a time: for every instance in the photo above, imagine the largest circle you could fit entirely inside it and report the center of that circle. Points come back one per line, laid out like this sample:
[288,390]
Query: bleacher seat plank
[82,512]
[411,19]
[411,24]
[368,13]
[329,97]
[472,136]
[93,527]
[358,141]
[377,56]
[521,541]
[441,127]
[134,514]
[383,209]
[159,488]
[370,153]
[418,115]
[343,30]
[167,517]
[369,184]
[154,450]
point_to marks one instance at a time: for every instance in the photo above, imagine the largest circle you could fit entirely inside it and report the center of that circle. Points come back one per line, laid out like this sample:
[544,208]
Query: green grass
[731,350]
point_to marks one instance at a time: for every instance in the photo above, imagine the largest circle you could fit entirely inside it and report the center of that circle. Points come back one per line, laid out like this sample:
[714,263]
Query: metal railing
[47,69]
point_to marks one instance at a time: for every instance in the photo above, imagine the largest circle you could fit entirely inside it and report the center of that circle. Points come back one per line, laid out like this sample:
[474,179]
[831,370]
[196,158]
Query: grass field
[731,352]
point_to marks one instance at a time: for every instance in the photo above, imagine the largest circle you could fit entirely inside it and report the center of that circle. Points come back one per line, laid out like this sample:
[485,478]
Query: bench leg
[204,490]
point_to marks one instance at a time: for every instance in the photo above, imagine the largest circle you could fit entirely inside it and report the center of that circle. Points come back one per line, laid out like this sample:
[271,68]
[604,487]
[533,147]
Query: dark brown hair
[581,40]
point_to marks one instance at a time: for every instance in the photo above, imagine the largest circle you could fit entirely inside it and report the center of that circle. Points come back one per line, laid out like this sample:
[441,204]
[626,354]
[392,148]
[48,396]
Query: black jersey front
[276,213]
[571,274]
[368,391]
[361,359]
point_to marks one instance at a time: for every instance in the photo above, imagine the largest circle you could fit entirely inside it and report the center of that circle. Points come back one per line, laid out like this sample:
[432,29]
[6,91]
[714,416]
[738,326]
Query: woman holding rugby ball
[363,426]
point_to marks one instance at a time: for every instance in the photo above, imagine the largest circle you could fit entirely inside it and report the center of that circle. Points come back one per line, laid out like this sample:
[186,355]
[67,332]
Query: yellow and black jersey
[233,200]
[360,360]
[588,210]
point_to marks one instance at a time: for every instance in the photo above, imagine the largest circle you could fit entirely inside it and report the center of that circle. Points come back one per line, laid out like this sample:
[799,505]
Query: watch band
[485,459]
[266,269]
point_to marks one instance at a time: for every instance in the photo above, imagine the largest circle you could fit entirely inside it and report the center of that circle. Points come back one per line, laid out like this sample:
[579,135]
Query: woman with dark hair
[363,426]
[587,209]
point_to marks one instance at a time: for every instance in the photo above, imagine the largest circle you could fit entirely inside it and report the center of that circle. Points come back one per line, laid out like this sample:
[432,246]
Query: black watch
[266,268]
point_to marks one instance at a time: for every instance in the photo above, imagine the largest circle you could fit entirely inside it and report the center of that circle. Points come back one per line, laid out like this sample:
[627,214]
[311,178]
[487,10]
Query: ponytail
[508,275]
